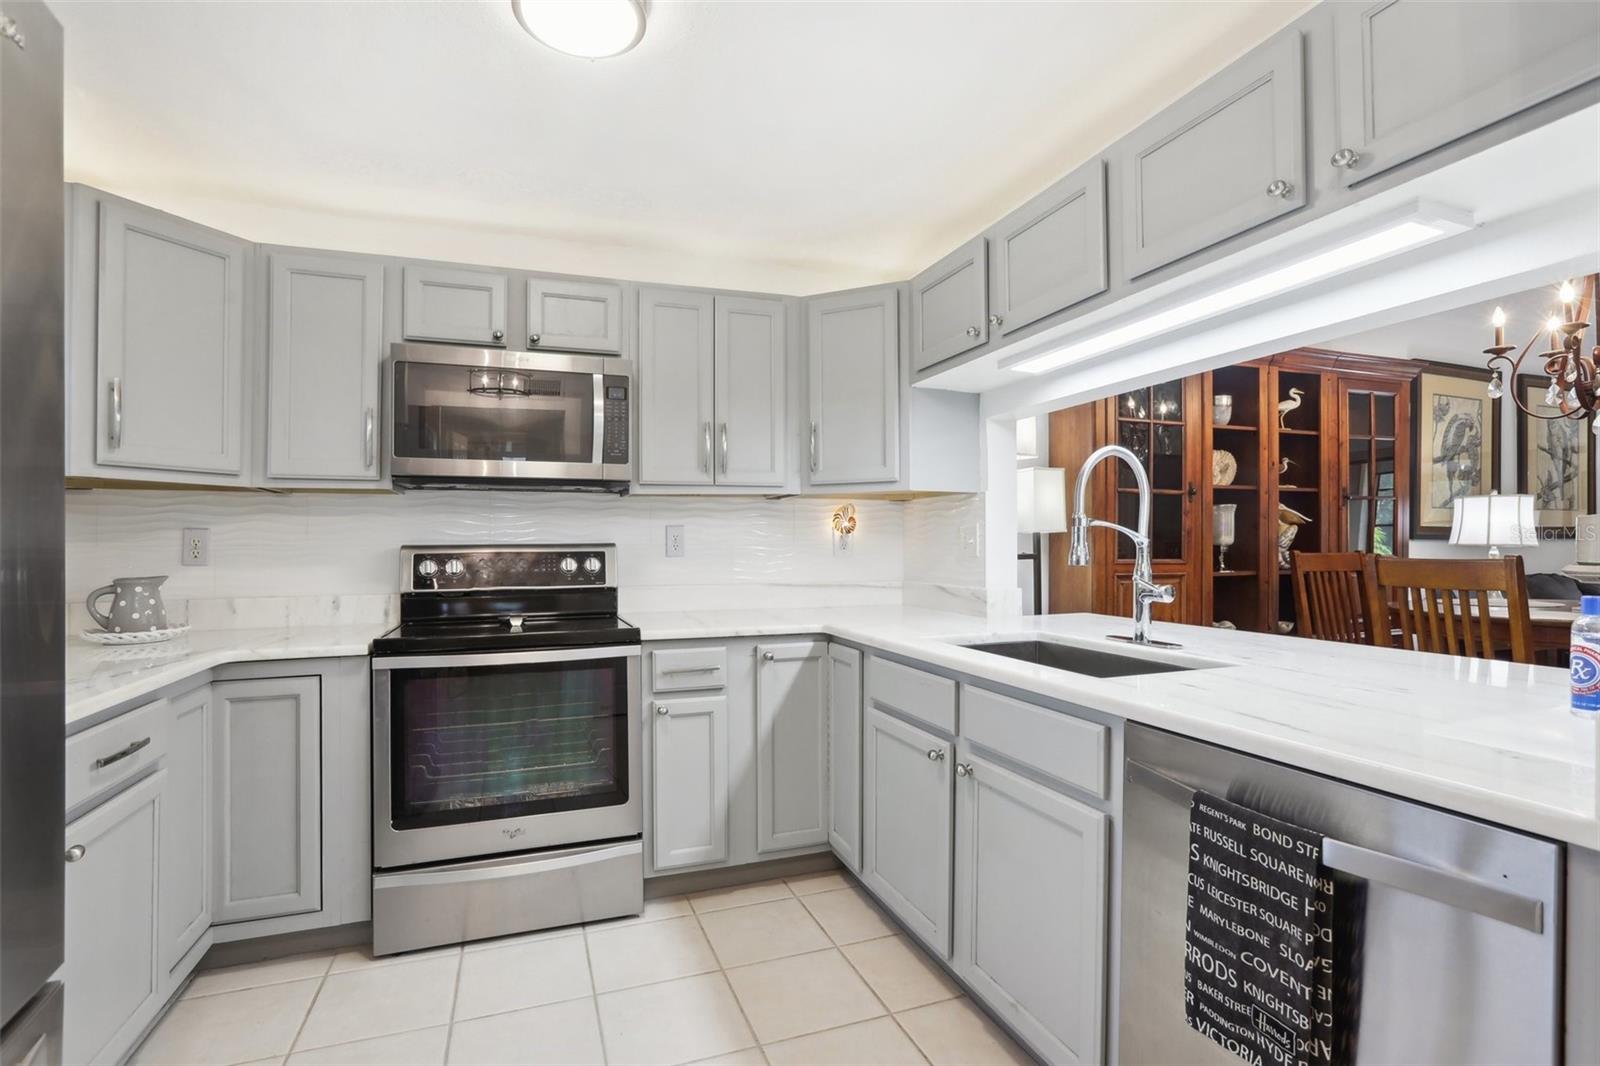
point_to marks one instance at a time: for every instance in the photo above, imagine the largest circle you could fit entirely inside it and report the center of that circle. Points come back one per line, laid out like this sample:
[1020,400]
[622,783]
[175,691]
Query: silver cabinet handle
[705,447]
[691,670]
[722,432]
[533,340]
[117,756]
[499,334]
[813,447]
[663,709]
[1345,158]
[1280,189]
[369,439]
[936,755]
[114,430]
[76,852]
[963,769]
[973,331]
[997,320]
[768,656]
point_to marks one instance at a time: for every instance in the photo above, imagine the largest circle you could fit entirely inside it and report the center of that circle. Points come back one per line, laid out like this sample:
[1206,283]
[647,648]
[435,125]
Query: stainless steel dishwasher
[1453,952]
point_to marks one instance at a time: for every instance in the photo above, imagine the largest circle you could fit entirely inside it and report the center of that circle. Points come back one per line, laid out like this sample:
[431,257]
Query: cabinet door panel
[1400,93]
[186,828]
[112,955]
[676,338]
[269,790]
[1031,875]
[791,746]
[324,357]
[1200,172]
[452,305]
[1051,252]
[689,782]
[949,305]
[170,344]
[908,824]
[574,316]
[751,392]
[853,345]
[844,754]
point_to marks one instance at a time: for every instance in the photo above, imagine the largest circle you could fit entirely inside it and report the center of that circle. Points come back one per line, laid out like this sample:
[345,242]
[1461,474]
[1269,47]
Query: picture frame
[1554,457]
[1455,443]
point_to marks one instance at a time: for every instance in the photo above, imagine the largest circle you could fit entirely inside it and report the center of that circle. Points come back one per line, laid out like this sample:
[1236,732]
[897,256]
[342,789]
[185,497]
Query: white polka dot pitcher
[135,605]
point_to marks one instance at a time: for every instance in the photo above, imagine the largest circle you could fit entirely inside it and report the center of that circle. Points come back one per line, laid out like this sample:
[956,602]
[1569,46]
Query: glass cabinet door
[1374,465]
[1150,423]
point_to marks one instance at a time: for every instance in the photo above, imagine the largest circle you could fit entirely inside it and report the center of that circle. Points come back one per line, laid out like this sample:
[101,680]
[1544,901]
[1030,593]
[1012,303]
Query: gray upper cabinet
[908,824]
[169,344]
[268,786]
[324,360]
[1050,253]
[1228,156]
[853,351]
[1412,76]
[185,911]
[950,305]
[751,392]
[689,781]
[791,745]
[454,305]
[676,393]
[575,316]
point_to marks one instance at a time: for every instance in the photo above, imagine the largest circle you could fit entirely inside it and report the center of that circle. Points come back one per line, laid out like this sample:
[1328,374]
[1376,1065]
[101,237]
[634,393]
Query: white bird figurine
[1292,403]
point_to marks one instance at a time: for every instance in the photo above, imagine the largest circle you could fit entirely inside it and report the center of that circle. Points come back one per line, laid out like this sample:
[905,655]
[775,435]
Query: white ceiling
[828,143]
[1461,334]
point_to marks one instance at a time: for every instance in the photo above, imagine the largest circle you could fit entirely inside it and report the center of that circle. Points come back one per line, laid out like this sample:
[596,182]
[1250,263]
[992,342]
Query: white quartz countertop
[1494,740]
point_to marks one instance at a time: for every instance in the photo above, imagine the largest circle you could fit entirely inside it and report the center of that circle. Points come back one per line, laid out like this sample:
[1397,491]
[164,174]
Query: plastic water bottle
[1586,659]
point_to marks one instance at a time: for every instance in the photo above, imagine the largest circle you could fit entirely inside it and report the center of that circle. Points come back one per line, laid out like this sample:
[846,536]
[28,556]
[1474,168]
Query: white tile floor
[805,971]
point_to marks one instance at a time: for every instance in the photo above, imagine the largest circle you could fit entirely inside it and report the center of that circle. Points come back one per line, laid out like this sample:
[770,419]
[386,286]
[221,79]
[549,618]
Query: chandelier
[1574,391]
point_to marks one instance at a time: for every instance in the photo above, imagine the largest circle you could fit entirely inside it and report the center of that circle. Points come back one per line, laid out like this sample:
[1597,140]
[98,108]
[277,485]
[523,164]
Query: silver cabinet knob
[1280,189]
[569,565]
[963,769]
[454,567]
[533,339]
[499,334]
[997,320]
[592,565]
[973,331]
[427,568]
[76,852]
[936,755]
[1345,158]
[768,656]
[662,709]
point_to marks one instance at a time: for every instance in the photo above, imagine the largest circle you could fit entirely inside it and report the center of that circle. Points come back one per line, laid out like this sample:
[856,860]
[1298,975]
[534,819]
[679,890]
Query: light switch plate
[674,542]
[196,547]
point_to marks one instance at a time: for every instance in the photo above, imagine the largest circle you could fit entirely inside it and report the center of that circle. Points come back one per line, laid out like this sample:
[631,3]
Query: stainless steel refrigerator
[32,595]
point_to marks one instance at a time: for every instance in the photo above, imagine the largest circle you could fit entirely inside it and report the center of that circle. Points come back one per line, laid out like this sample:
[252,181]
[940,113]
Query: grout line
[455,997]
[594,994]
[722,971]
[886,1011]
[301,1028]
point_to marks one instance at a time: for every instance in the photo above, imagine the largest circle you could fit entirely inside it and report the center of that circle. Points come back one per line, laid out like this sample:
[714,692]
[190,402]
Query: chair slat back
[1443,605]
[1332,591]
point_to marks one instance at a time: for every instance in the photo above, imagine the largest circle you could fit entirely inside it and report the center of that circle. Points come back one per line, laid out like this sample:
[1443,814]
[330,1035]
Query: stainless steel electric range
[505,747]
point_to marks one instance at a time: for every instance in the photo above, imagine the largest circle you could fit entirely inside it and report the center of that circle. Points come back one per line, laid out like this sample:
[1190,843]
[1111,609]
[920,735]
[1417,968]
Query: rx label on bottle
[1585,671]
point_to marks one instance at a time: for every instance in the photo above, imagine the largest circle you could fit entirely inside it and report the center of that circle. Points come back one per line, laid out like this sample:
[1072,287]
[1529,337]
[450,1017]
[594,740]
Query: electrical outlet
[196,547]
[972,541]
[674,542]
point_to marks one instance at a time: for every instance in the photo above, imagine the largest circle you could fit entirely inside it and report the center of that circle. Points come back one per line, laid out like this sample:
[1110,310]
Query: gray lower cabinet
[1412,76]
[853,352]
[908,820]
[569,315]
[453,305]
[324,362]
[950,305]
[751,393]
[1030,906]
[1050,253]
[677,396]
[267,835]
[169,344]
[844,754]
[113,955]
[791,745]
[688,781]
[1229,156]
[185,912]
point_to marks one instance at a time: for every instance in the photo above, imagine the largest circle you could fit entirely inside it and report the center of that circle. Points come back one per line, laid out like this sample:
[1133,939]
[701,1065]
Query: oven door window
[493,414]
[492,742]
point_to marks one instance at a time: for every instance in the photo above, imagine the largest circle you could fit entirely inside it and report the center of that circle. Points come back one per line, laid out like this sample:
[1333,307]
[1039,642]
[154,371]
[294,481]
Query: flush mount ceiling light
[1418,224]
[588,29]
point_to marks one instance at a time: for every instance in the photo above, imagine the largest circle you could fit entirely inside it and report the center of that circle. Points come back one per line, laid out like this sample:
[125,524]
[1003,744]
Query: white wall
[944,546]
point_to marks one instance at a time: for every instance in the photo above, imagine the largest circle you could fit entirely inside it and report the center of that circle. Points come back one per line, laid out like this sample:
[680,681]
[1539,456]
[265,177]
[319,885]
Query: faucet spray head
[1078,553]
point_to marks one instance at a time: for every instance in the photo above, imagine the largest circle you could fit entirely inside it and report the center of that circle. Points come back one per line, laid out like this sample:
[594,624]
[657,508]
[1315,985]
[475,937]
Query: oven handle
[505,658]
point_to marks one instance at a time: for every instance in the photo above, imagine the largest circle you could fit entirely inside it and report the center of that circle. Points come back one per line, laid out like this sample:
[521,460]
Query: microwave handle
[599,419]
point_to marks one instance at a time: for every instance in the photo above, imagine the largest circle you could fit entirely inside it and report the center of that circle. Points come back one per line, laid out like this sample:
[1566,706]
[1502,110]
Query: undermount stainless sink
[1080,660]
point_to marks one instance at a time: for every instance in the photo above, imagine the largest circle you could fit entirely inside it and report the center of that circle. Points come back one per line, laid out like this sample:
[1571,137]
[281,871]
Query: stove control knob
[454,568]
[569,566]
[427,568]
[592,564]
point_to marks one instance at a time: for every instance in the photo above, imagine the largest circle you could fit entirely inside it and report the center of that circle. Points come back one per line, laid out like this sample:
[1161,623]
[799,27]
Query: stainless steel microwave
[486,418]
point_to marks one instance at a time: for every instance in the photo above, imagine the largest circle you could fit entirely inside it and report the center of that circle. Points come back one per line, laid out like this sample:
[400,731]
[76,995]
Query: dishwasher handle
[1453,889]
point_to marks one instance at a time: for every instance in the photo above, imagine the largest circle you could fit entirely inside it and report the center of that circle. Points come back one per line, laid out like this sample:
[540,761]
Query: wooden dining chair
[1332,591]
[1442,605]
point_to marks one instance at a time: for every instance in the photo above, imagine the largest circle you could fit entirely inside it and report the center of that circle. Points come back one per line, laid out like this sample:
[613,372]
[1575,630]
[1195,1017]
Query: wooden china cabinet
[1341,461]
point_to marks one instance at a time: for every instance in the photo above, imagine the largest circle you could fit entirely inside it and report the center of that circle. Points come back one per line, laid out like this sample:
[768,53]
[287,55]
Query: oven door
[480,754]
[468,413]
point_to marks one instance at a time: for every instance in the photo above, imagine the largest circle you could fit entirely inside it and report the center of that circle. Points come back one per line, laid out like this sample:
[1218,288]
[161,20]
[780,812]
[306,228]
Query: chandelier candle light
[1573,387]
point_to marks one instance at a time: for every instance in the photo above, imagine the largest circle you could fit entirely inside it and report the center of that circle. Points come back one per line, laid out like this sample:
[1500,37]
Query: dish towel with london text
[1257,966]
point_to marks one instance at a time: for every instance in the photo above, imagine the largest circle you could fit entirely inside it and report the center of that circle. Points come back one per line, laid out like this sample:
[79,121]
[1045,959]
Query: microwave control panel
[614,447]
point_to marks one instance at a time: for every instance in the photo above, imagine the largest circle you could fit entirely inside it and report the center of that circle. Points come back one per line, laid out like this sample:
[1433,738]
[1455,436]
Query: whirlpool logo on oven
[514,833]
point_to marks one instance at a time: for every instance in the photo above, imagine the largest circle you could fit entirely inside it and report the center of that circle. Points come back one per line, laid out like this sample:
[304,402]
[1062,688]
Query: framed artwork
[1455,447]
[1555,460]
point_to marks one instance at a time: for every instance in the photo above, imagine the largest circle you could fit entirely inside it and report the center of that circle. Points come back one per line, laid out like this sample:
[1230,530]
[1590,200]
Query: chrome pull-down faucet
[1145,590]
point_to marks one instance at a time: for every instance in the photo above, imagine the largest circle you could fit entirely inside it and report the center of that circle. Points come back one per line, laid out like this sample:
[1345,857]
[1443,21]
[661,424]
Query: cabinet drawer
[914,694]
[1068,749]
[681,669]
[112,752]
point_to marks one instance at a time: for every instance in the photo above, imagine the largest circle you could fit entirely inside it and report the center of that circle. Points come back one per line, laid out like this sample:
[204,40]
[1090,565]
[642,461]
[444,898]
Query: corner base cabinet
[844,754]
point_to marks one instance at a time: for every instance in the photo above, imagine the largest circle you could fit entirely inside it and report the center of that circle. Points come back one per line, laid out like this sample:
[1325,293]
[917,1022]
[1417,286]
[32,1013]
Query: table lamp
[1041,509]
[1494,520]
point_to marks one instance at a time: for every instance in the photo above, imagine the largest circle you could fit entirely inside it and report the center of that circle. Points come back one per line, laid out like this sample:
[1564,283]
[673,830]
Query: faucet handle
[1162,593]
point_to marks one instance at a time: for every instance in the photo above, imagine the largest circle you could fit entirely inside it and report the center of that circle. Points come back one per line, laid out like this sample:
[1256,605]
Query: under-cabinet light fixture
[587,29]
[1419,223]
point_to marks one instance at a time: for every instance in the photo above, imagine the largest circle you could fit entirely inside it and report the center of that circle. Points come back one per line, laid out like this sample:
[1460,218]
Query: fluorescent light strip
[1397,236]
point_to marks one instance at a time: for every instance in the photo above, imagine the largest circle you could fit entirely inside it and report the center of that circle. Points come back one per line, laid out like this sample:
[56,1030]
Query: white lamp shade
[1042,500]
[1493,520]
